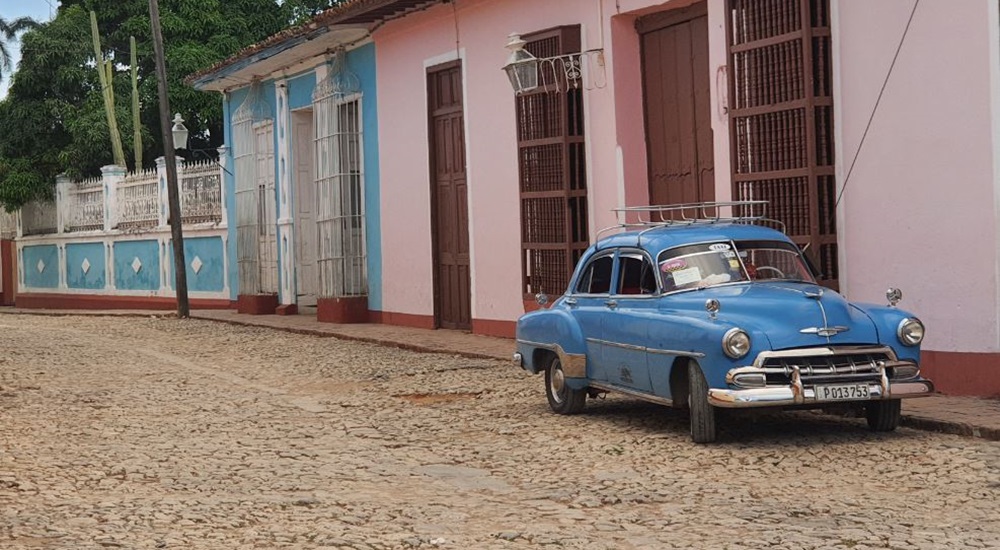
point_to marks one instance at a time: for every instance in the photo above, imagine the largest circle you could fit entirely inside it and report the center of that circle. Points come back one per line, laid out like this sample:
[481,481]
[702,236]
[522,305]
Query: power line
[875,108]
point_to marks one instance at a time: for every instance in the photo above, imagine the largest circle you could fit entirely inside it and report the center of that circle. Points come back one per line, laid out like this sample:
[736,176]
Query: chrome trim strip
[786,395]
[574,365]
[632,347]
[633,393]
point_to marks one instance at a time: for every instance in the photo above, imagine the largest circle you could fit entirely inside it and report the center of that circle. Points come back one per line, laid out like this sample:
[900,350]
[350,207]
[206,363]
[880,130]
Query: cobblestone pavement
[163,433]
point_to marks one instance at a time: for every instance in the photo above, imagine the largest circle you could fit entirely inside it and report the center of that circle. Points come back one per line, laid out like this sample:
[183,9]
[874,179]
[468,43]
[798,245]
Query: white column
[223,190]
[161,187]
[112,175]
[286,233]
[62,198]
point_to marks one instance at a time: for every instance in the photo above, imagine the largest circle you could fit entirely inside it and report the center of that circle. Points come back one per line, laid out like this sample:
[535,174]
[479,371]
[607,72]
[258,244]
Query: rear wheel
[883,416]
[702,412]
[562,398]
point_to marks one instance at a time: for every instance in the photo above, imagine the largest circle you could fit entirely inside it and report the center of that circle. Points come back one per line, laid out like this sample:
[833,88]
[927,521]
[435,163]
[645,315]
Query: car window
[769,260]
[636,275]
[700,266]
[596,278]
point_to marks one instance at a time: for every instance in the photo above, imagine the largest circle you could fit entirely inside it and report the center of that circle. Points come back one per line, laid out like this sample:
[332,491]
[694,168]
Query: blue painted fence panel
[147,277]
[41,266]
[85,266]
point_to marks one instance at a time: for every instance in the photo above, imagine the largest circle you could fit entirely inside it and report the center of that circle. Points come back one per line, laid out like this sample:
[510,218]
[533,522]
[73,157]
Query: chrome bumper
[796,394]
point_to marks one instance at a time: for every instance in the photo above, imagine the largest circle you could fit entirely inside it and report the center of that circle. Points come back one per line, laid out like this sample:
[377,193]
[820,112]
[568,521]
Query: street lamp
[522,66]
[180,132]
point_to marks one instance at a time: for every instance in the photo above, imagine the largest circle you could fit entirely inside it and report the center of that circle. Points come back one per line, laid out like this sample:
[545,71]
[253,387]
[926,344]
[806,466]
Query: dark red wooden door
[449,208]
[676,90]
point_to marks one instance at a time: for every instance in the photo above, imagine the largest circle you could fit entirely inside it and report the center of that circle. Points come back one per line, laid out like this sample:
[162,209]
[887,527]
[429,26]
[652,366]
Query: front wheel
[703,428]
[883,416]
[562,398]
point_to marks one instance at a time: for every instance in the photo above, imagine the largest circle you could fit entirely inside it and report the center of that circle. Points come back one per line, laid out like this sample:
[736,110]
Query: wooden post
[173,196]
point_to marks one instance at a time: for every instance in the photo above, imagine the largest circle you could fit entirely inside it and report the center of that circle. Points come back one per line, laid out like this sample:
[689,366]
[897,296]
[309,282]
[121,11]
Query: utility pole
[173,196]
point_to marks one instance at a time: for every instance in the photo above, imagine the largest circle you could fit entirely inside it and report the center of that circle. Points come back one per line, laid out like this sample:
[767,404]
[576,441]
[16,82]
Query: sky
[39,10]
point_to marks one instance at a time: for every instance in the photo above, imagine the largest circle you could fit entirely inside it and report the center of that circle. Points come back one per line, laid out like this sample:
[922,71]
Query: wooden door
[449,205]
[676,92]
[306,275]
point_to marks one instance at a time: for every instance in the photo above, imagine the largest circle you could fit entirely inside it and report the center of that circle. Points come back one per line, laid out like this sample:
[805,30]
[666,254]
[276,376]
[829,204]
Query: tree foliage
[8,32]
[53,119]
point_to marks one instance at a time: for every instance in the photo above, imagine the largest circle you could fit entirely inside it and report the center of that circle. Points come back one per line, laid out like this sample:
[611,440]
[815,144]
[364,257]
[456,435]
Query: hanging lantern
[521,67]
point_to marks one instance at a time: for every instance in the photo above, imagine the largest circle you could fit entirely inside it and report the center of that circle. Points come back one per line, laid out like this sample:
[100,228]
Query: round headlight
[736,343]
[910,331]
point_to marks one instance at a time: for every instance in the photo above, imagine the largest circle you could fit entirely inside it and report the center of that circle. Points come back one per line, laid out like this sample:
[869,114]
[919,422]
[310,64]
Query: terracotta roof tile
[350,12]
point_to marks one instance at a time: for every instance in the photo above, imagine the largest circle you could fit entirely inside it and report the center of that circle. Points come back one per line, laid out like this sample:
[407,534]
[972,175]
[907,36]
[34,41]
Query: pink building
[487,197]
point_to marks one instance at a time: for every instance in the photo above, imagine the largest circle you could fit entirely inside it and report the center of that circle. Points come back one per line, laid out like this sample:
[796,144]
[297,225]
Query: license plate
[842,392]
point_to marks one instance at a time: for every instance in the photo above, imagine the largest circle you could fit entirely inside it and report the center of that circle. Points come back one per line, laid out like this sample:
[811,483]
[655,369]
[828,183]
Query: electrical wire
[874,109]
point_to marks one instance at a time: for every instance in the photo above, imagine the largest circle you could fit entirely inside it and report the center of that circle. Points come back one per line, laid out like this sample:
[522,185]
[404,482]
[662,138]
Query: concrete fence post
[112,176]
[161,191]
[62,201]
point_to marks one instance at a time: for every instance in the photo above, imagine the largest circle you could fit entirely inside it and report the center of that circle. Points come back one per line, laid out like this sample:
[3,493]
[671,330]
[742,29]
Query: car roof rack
[655,216]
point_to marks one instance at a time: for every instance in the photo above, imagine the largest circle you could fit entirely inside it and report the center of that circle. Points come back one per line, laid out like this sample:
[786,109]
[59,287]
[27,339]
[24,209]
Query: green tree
[53,118]
[8,32]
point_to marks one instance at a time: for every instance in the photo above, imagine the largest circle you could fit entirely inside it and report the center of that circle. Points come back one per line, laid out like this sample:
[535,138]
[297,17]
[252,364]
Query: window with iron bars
[552,170]
[340,221]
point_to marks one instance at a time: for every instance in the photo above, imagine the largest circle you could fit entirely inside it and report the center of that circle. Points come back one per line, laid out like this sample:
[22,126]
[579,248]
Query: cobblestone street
[163,433]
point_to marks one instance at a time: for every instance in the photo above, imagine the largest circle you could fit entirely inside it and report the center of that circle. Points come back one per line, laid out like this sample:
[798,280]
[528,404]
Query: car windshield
[709,264]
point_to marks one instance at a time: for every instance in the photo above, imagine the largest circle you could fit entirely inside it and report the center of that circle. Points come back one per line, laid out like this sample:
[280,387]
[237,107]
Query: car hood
[791,315]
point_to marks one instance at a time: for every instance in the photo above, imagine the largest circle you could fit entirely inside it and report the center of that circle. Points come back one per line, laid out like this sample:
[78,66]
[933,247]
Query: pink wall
[406,47]
[921,203]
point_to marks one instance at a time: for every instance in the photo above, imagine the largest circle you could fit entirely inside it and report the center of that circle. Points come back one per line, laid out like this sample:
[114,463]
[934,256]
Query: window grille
[340,218]
[256,239]
[552,170]
[781,119]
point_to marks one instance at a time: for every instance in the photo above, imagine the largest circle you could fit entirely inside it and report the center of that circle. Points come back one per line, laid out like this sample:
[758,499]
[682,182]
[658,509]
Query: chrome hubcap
[557,381]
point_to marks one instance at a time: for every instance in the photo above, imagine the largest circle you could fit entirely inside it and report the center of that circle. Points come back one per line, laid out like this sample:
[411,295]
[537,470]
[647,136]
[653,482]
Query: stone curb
[944,426]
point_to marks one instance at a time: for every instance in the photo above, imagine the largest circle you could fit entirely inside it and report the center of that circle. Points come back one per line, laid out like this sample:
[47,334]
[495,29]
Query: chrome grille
[821,369]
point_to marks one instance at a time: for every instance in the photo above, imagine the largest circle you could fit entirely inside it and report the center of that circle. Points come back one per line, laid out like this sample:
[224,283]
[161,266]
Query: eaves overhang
[280,55]
[343,25]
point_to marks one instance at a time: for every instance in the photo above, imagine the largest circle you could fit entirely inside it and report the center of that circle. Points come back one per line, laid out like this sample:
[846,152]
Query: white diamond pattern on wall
[85,266]
[40,266]
[136,265]
[196,264]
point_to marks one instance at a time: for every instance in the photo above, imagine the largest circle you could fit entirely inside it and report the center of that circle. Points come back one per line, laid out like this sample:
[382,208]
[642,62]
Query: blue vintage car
[718,312]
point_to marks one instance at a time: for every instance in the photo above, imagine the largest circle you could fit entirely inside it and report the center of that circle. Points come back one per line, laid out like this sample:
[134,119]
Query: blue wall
[148,277]
[300,90]
[49,256]
[212,274]
[362,62]
[95,276]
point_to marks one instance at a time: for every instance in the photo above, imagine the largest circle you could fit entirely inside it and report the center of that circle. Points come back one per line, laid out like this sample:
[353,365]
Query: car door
[630,309]
[588,305]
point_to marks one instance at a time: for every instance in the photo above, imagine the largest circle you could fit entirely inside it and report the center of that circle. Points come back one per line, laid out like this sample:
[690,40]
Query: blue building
[303,189]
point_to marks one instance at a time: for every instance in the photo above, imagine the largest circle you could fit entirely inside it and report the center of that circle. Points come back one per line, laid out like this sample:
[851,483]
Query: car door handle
[570,301]
[612,304]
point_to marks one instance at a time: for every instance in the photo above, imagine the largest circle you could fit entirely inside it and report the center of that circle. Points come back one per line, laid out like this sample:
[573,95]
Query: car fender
[696,335]
[887,320]
[555,330]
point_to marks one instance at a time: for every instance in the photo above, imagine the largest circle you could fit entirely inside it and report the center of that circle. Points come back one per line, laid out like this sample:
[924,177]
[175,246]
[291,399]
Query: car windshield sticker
[673,265]
[718,247]
[729,254]
[734,264]
[687,276]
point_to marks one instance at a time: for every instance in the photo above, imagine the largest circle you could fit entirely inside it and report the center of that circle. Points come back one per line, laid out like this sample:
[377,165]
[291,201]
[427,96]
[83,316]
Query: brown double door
[449,192]
[676,92]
